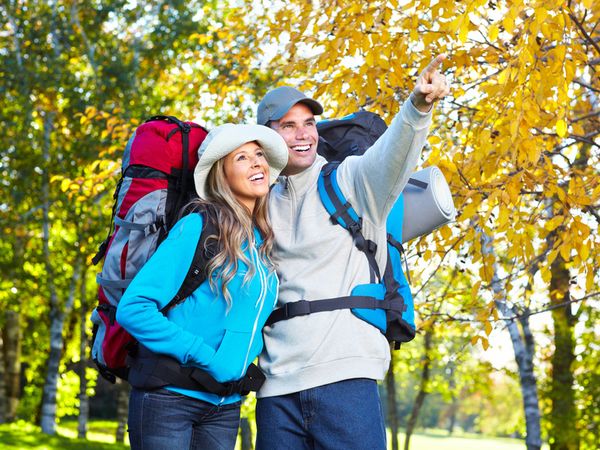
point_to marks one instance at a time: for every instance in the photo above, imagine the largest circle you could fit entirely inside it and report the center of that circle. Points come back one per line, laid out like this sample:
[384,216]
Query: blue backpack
[386,302]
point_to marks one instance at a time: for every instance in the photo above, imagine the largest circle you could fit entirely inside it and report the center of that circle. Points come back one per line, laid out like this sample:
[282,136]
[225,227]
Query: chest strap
[304,307]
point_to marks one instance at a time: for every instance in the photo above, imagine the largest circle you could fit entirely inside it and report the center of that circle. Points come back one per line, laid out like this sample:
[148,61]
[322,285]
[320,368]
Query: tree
[78,78]
[524,74]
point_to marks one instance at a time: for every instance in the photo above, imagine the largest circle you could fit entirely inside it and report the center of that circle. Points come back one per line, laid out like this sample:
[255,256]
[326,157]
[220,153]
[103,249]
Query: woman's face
[247,173]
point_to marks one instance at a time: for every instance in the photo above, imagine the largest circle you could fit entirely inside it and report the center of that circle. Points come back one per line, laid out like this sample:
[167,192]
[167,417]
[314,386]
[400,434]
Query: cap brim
[314,106]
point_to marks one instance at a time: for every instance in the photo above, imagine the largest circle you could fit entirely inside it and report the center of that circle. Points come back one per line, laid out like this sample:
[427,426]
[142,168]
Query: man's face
[299,130]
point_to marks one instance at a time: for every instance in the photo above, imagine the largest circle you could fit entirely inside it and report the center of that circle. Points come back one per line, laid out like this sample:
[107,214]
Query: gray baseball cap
[280,100]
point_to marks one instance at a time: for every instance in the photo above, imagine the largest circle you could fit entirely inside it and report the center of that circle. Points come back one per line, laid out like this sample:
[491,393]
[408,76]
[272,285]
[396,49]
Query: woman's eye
[241,157]
[260,153]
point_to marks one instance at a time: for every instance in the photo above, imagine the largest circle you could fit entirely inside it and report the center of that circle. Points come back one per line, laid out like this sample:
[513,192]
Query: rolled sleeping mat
[427,203]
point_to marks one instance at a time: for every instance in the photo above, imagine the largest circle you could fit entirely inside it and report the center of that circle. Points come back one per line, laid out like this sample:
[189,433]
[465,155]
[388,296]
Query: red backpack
[156,182]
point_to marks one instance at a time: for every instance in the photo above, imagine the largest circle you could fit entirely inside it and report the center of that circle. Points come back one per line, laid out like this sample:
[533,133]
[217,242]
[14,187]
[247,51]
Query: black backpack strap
[104,245]
[206,249]
[342,213]
[417,183]
[304,307]
[149,371]
[400,248]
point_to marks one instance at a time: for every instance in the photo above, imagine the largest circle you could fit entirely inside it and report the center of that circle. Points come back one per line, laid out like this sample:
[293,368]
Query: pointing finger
[435,64]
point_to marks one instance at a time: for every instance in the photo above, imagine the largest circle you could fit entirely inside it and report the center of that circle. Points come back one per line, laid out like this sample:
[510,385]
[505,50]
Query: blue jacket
[200,331]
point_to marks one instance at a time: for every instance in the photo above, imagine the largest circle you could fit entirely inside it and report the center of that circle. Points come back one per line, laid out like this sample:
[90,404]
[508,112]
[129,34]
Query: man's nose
[301,133]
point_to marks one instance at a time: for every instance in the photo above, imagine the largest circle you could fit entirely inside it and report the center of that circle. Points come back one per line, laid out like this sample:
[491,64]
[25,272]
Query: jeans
[344,415]
[166,420]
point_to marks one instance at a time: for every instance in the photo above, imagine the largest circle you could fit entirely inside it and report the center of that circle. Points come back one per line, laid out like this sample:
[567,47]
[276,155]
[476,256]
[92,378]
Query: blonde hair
[235,224]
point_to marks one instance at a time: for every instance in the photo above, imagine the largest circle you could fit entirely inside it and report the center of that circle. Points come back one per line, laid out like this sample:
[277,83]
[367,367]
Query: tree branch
[585,35]
[517,316]
[584,84]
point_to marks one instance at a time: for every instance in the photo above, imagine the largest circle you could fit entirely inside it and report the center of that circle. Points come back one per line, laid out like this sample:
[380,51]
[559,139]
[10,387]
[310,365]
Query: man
[321,368]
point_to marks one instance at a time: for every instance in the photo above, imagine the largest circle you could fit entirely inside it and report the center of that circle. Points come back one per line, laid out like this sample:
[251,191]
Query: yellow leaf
[508,23]
[565,251]
[514,189]
[488,327]
[475,289]
[546,274]
[486,272]
[434,139]
[64,185]
[584,252]
[469,211]
[446,232]
[485,343]
[553,223]
[474,340]
[514,129]
[464,31]
[493,32]
[561,128]
[589,280]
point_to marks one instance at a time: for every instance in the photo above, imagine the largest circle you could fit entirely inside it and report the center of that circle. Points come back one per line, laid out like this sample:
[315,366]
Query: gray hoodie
[316,260]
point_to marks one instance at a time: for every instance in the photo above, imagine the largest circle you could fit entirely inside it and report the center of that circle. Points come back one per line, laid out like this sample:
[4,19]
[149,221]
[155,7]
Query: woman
[217,328]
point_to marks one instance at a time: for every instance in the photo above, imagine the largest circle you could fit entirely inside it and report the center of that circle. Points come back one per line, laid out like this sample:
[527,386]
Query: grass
[101,436]
[23,435]
[439,440]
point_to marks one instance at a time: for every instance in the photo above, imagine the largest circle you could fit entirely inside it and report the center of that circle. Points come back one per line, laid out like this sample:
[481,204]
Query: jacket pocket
[228,361]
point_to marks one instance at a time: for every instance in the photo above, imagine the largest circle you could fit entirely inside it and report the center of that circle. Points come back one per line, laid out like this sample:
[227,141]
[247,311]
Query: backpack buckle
[295,309]
[371,246]
[234,387]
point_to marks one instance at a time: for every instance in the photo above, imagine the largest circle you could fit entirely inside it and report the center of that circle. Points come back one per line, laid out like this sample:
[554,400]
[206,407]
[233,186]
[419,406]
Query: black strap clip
[299,308]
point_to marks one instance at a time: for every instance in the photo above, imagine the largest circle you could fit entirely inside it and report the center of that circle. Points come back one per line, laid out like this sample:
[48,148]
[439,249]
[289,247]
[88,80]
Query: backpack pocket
[376,317]
[111,343]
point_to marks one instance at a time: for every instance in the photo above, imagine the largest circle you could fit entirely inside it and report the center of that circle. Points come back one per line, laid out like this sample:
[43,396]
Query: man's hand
[431,86]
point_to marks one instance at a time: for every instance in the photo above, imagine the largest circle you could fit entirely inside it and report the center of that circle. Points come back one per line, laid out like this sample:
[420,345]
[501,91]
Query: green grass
[439,440]
[101,436]
[22,435]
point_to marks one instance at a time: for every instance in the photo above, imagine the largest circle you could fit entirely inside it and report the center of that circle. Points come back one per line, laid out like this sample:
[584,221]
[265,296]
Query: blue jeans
[166,420]
[344,415]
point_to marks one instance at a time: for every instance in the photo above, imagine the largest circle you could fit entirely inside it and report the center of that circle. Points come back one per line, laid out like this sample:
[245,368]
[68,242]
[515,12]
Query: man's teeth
[301,148]
[258,176]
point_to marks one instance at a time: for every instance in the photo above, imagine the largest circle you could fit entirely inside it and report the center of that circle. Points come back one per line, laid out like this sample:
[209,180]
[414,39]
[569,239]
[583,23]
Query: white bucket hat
[226,138]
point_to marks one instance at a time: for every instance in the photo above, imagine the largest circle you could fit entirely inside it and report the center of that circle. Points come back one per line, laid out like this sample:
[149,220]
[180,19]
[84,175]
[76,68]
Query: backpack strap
[417,183]
[400,248]
[104,245]
[342,213]
[206,249]
[304,307]
[148,370]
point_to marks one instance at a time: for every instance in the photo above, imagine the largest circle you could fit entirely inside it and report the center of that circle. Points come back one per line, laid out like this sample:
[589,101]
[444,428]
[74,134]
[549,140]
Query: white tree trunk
[58,312]
[84,400]
[524,349]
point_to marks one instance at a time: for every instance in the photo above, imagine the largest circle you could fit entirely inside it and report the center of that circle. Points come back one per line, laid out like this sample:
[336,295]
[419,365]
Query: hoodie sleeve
[375,180]
[154,286]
